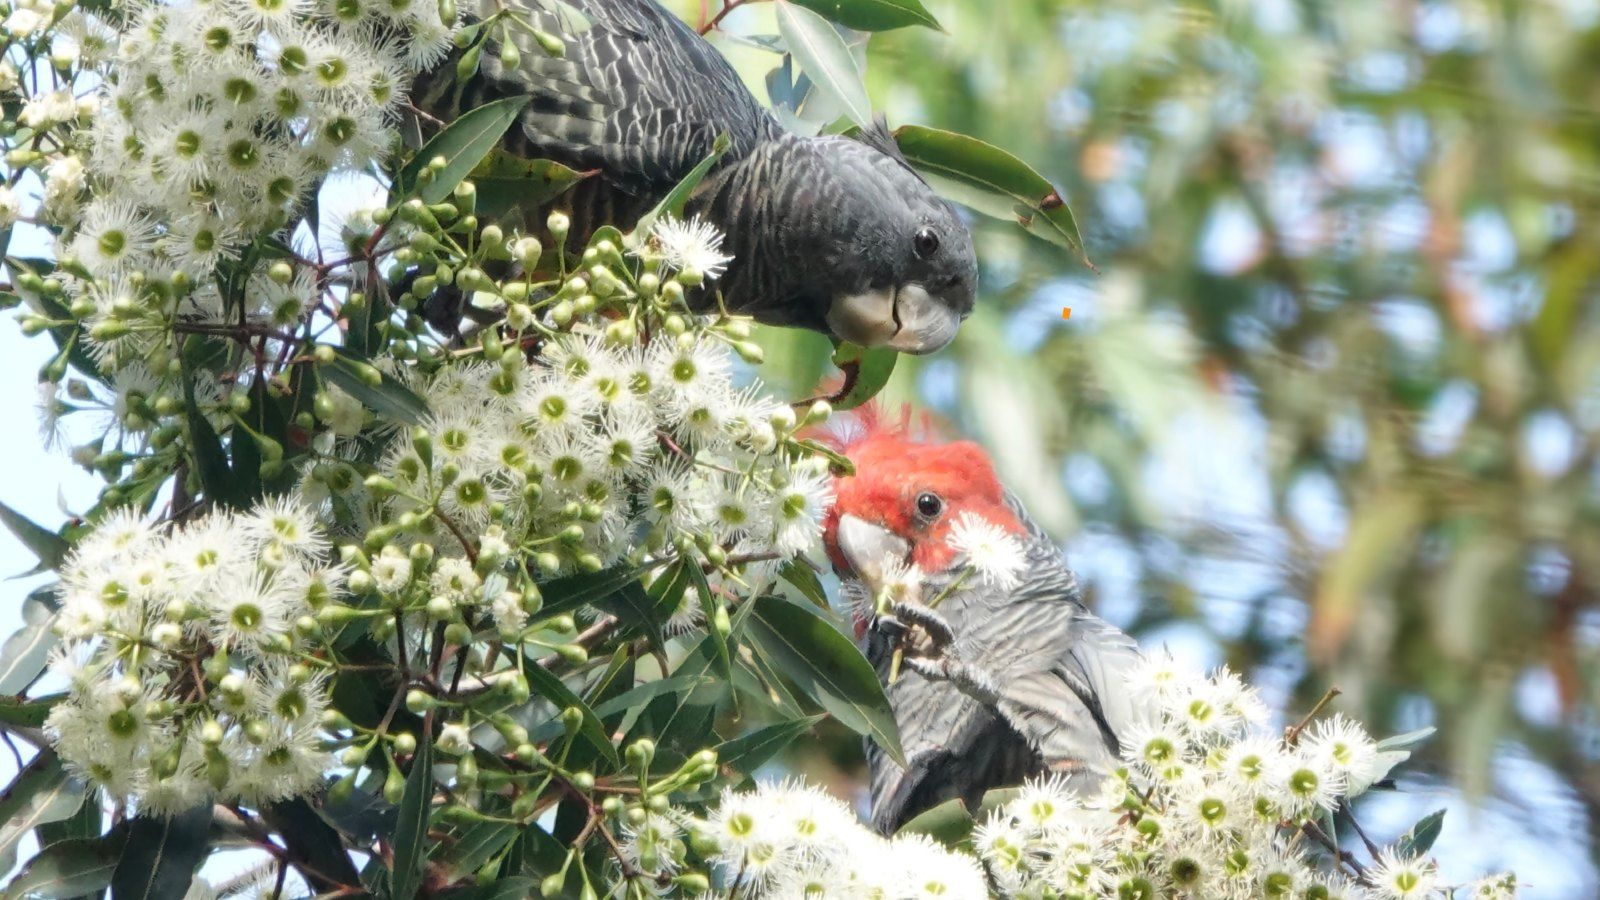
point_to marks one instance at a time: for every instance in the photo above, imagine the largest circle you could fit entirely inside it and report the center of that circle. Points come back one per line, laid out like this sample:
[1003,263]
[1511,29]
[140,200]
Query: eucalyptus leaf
[992,181]
[547,685]
[47,546]
[826,666]
[25,653]
[677,198]
[748,752]
[1420,838]
[867,371]
[41,792]
[411,828]
[826,59]
[383,395]
[162,855]
[70,868]
[27,713]
[873,15]
[463,144]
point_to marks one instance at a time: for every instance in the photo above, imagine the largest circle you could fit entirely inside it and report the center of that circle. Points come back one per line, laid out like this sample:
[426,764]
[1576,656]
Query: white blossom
[692,245]
[994,554]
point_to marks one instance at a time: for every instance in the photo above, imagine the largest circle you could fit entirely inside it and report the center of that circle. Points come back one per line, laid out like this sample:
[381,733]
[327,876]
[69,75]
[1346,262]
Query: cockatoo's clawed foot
[891,627]
[969,679]
[936,627]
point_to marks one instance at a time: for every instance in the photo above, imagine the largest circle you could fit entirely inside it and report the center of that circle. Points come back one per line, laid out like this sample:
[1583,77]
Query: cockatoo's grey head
[901,271]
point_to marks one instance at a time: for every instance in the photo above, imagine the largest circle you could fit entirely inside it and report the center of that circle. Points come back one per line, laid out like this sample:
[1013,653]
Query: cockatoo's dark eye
[925,242]
[929,506]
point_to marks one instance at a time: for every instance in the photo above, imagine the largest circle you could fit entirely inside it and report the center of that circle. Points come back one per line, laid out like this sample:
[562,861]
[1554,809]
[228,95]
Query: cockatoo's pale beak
[907,318]
[869,549]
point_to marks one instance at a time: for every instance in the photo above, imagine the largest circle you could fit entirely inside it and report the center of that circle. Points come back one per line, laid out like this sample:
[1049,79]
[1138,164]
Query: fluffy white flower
[930,871]
[22,22]
[1343,746]
[391,571]
[1398,877]
[692,245]
[10,206]
[113,237]
[63,181]
[993,553]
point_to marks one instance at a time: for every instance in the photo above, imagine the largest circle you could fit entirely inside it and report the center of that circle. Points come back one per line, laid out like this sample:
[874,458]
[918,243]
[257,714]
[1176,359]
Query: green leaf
[547,685]
[516,887]
[826,666]
[162,855]
[210,460]
[463,143]
[650,690]
[474,846]
[411,827]
[825,58]
[42,792]
[746,753]
[636,609]
[873,15]
[1419,840]
[708,608]
[569,593]
[680,719]
[388,397]
[507,183]
[801,577]
[311,843]
[71,868]
[991,181]
[25,653]
[47,546]
[27,713]
[872,369]
[85,822]
[677,198]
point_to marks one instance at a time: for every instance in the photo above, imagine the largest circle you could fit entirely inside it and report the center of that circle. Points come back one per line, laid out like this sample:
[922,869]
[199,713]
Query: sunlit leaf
[826,665]
[825,58]
[992,181]
[25,653]
[866,372]
[873,15]
[462,144]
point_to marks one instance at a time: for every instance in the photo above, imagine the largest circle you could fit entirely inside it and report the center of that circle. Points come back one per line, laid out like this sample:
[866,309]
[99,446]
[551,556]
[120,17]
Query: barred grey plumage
[999,684]
[836,235]
[1031,684]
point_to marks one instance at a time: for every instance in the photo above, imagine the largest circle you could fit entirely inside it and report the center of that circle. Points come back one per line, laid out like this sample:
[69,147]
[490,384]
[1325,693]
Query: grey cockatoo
[829,233]
[1002,679]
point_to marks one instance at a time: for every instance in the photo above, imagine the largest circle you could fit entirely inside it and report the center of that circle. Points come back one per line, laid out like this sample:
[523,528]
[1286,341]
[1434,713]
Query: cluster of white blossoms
[591,453]
[182,650]
[791,841]
[1210,804]
[170,136]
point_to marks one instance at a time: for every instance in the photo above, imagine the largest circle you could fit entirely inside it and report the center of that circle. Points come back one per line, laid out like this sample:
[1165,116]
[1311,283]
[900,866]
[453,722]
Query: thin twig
[1292,735]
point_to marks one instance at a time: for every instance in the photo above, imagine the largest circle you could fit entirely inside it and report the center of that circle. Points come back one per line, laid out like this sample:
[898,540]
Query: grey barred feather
[1046,694]
[638,98]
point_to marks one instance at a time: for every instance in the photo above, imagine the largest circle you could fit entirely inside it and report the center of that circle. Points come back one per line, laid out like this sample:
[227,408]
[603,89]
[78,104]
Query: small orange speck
[1066,312]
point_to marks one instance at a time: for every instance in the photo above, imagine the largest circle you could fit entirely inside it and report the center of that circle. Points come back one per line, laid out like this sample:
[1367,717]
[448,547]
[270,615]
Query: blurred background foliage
[1329,409]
